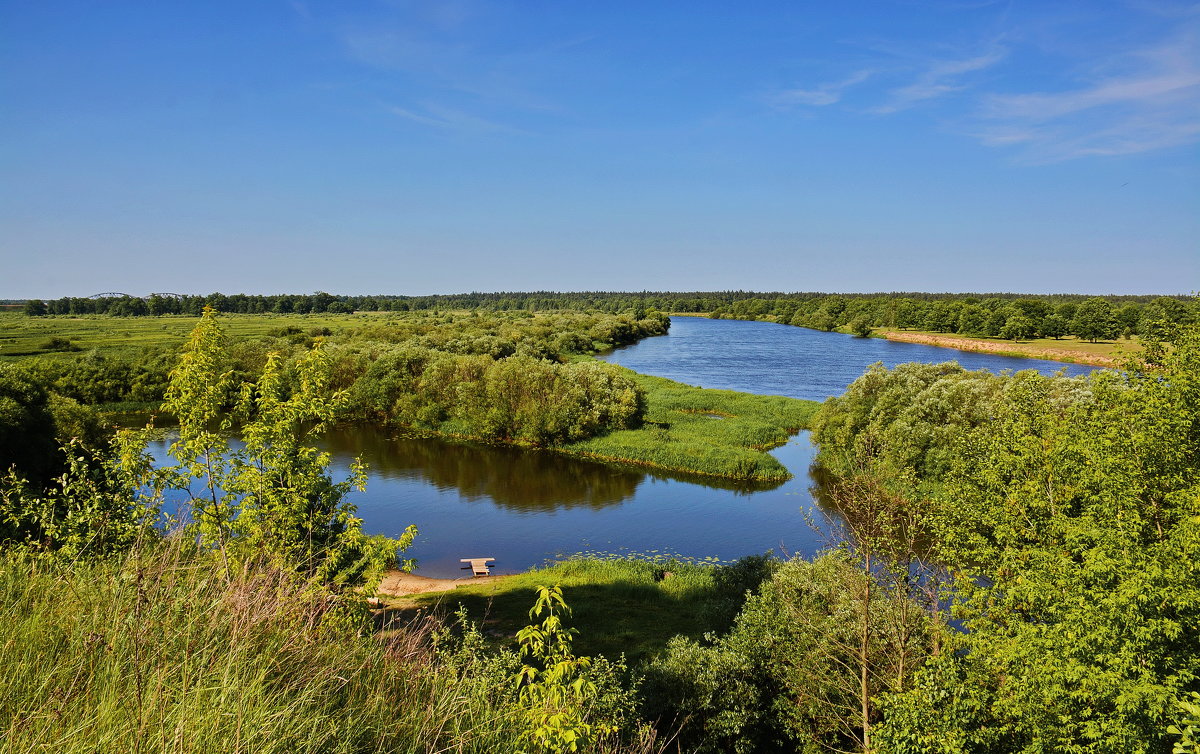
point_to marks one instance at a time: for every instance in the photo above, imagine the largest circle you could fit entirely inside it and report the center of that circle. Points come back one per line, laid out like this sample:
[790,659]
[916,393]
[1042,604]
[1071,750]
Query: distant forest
[1007,315]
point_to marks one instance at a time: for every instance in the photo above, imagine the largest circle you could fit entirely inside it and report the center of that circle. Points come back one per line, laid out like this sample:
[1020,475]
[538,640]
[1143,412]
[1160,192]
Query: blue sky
[437,147]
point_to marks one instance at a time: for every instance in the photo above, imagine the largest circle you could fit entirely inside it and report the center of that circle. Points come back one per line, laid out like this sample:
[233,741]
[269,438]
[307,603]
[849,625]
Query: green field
[22,336]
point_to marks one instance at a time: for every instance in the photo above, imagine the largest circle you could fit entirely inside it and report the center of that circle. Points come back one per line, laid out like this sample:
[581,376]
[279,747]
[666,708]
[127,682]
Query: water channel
[525,507]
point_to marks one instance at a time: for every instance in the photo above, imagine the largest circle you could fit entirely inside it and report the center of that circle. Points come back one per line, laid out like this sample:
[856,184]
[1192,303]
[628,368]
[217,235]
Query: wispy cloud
[940,78]
[1153,103]
[437,116]
[824,94]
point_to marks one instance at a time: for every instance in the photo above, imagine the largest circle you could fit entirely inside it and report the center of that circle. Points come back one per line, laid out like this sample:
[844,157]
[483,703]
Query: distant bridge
[112,294]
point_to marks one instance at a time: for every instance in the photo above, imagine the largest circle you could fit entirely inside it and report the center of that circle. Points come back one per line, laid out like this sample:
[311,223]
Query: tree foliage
[1069,512]
[269,497]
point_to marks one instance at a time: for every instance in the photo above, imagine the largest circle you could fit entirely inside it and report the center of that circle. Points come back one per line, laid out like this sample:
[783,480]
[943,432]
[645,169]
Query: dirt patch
[401,584]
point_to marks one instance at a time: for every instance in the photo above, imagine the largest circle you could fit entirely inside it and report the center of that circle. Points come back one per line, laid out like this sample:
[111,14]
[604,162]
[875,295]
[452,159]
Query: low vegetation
[627,605]
[509,377]
[1019,574]
[153,651]
[716,433]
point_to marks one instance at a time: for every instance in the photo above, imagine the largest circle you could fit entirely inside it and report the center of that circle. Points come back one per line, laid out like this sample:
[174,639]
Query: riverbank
[621,604]
[1071,351]
[1068,350]
[712,435]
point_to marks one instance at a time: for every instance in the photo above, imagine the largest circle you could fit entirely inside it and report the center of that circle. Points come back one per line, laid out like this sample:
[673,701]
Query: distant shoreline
[1005,348]
[1015,349]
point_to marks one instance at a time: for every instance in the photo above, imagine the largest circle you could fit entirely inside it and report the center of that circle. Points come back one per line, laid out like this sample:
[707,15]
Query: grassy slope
[160,654]
[616,604]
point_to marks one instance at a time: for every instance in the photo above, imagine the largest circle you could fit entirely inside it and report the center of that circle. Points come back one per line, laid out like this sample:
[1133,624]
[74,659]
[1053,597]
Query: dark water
[523,507]
[771,359]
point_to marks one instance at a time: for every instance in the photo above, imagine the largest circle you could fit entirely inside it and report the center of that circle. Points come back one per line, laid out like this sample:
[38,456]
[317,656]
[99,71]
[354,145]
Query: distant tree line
[1012,318]
[998,315]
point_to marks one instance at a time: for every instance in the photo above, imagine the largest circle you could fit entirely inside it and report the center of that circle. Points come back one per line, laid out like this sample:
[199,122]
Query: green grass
[160,654]
[22,336]
[616,603]
[714,433]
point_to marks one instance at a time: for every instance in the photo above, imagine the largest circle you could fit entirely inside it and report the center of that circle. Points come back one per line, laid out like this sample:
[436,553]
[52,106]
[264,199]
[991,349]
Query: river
[524,507]
[773,359]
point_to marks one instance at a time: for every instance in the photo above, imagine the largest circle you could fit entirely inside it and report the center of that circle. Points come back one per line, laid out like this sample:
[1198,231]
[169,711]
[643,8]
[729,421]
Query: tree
[1073,527]
[1054,326]
[996,320]
[271,498]
[35,307]
[972,320]
[1094,320]
[554,688]
[1017,327]
[861,327]
[35,422]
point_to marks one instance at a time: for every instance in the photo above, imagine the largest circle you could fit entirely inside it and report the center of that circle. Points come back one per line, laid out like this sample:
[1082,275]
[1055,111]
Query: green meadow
[716,433]
[22,336]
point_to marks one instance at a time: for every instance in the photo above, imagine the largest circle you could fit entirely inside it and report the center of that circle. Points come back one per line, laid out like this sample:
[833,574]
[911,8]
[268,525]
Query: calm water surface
[772,359]
[524,507]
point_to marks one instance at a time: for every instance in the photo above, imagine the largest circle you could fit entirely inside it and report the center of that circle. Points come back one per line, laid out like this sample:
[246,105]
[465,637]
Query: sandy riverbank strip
[1003,348]
[401,584]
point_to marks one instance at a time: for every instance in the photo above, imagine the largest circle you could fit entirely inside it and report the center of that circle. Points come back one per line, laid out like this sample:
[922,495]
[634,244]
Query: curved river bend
[524,507]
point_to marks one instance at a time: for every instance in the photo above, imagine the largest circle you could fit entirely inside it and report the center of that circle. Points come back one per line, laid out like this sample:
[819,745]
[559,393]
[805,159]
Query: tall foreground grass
[158,653]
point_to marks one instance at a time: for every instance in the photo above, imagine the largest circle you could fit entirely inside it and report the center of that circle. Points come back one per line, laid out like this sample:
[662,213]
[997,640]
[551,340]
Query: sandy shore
[1004,348]
[400,584]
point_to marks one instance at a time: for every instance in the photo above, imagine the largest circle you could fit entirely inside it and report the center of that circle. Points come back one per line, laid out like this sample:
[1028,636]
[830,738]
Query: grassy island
[715,433]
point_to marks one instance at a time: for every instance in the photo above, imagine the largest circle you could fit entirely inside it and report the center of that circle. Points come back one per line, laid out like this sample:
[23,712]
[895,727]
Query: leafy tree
[554,688]
[1188,728]
[1074,529]
[35,307]
[1094,320]
[972,320]
[790,675]
[996,320]
[1054,326]
[909,419]
[27,426]
[34,422]
[1018,327]
[97,507]
[270,498]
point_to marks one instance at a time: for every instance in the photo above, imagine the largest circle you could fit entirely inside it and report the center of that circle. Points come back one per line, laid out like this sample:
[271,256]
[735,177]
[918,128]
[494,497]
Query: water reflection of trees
[517,478]
[523,480]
